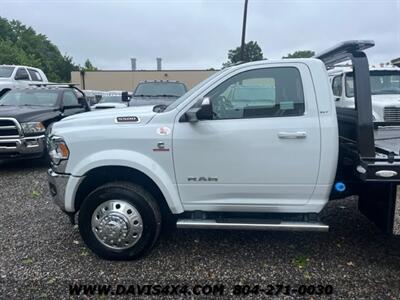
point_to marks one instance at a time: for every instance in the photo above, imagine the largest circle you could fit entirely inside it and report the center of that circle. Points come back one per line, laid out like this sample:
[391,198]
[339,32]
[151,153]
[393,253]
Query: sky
[197,34]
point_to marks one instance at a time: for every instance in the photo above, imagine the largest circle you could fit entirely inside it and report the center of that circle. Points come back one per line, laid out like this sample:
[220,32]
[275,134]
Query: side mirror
[204,112]
[125,97]
[83,102]
[337,99]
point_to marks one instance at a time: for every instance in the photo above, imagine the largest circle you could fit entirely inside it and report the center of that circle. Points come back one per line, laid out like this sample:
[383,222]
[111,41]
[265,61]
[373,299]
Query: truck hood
[386,100]
[27,113]
[106,117]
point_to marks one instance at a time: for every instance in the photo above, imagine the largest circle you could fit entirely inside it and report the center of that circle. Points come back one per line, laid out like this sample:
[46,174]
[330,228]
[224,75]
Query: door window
[69,99]
[261,93]
[21,74]
[35,75]
[337,86]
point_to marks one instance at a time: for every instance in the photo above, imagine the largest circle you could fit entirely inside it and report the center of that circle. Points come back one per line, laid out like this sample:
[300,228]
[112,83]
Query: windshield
[382,83]
[6,72]
[174,104]
[111,99]
[160,89]
[30,98]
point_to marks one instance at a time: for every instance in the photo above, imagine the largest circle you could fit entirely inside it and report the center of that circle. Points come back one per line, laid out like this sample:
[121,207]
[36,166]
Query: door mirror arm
[191,114]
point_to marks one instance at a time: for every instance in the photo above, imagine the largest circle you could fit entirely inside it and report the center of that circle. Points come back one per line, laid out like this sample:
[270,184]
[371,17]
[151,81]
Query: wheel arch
[4,91]
[106,174]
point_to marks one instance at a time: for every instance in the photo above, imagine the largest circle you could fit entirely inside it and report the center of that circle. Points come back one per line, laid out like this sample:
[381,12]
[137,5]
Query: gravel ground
[42,253]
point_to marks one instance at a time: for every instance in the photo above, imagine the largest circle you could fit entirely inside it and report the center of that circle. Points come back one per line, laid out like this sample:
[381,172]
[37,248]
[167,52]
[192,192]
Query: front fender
[137,161]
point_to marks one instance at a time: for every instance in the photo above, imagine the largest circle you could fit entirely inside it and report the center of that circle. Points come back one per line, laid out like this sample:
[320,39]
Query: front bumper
[57,185]
[22,147]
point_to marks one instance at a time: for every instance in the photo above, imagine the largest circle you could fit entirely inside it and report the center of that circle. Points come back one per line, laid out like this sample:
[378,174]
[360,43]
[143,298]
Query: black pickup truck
[26,113]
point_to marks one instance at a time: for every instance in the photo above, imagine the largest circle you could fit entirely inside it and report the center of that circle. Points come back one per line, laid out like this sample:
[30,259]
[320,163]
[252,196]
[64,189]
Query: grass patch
[301,261]
[35,194]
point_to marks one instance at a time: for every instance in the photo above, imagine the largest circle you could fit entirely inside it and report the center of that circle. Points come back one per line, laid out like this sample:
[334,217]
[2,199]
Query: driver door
[261,149]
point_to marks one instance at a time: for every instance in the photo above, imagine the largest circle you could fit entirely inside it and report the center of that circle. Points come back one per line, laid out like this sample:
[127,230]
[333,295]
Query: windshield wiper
[165,95]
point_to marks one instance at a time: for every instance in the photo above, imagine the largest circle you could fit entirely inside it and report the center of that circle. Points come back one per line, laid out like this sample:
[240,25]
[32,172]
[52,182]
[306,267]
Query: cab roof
[19,66]
[162,81]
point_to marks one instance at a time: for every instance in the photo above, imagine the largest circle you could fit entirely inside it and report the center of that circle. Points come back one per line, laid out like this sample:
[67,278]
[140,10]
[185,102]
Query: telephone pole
[242,45]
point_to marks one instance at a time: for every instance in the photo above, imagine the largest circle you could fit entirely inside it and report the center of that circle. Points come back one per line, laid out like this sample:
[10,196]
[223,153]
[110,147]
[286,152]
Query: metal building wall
[127,80]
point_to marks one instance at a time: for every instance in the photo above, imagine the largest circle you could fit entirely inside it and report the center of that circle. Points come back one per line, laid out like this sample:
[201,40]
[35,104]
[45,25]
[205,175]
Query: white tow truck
[385,91]
[255,146]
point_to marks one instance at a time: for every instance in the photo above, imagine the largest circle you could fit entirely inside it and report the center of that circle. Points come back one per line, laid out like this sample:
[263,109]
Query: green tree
[300,54]
[252,52]
[88,66]
[20,44]
[12,55]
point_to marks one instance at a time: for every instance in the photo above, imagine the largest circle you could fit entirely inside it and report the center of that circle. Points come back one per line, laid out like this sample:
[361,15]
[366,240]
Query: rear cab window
[35,75]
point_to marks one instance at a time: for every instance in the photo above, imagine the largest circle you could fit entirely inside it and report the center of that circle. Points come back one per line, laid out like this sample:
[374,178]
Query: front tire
[120,221]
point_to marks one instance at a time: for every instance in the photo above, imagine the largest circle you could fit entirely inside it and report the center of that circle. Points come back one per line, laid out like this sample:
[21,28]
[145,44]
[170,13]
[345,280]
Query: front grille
[9,128]
[391,114]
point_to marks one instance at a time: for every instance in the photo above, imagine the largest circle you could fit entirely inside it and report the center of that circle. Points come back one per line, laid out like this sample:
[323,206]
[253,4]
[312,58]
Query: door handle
[292,135]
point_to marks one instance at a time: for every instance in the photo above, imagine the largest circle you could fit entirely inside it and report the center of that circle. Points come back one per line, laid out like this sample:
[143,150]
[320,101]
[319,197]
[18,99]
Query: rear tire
[120,221]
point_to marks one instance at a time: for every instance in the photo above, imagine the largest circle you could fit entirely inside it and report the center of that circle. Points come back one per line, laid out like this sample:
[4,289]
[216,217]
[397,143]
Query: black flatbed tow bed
[369,154]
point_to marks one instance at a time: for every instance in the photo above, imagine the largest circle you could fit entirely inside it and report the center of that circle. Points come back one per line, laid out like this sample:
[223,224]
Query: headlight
[58,149]
[33,127]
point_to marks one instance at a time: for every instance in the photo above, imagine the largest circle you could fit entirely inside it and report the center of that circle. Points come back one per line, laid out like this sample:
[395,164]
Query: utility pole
[243,31]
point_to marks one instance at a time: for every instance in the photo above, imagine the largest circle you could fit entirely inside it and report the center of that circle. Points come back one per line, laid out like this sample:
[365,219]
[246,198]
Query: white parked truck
[12,77]
[255,146]
[385,91]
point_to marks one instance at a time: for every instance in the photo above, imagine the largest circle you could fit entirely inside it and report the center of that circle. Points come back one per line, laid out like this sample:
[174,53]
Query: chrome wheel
[117,224]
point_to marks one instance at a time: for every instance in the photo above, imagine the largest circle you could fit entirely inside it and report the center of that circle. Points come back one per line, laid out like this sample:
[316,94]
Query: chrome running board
[280,225]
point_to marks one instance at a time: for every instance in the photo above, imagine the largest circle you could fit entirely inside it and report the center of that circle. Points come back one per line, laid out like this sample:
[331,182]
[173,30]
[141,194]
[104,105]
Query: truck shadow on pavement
[21,164]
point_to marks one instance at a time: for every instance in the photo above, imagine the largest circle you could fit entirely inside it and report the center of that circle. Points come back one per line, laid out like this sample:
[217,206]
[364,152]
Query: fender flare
[137,161]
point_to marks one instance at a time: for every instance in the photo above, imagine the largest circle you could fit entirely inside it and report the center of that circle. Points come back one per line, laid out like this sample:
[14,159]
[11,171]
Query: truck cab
[12,76]
[385,91]
[257,146]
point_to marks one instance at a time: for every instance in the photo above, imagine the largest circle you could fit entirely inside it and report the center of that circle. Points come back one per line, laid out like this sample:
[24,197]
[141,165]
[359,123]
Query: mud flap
[377,201]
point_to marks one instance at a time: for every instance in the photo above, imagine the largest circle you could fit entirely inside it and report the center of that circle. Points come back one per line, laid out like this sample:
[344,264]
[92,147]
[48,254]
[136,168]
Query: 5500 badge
[127,119]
